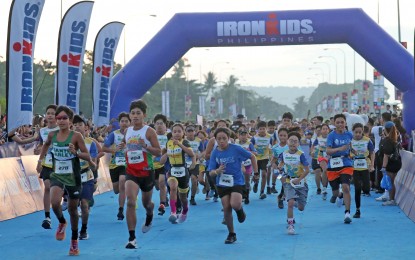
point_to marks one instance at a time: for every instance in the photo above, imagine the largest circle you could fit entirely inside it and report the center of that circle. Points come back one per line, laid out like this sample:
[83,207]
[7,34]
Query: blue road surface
[381,233]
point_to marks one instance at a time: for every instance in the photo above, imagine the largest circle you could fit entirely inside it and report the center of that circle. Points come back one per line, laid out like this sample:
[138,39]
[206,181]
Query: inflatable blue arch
[188,30]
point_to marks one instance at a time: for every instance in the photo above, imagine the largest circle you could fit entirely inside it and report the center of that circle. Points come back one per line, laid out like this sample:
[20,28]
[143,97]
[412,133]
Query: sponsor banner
[202,110]
[105,46]
[165,106]
[378,90]
[71,48]
[23,23]
[199,120]
[187,105]
[220,106]
[345,106]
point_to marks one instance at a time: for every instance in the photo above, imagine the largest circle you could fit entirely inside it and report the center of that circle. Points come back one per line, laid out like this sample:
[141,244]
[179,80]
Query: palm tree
[210,82]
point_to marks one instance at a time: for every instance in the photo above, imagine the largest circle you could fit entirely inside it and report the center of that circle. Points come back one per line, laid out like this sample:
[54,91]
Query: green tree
[300,107]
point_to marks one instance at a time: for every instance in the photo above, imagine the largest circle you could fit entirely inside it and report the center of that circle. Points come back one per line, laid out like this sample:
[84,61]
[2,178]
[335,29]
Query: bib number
[226,180]
[120,161]
[63,167]
[135,157]
[247,162]
[336,162]
[84,177]
[360,163]
[178,172]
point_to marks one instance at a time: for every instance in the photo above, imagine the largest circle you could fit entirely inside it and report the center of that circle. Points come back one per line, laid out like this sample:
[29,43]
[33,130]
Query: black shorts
[45,173]
[145,184]
[315,165]
[223,191]
[158,172]
[116,173]
[195,171]
[262,164]
[343,179]
[74,192]
[87,190]
[183,182]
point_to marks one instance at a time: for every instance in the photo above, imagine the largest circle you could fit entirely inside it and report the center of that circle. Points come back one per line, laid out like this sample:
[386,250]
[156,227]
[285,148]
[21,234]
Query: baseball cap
[240,116]
[389,124]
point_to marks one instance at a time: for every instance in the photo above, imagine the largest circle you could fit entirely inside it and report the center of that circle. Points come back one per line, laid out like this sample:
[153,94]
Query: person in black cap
[237,123]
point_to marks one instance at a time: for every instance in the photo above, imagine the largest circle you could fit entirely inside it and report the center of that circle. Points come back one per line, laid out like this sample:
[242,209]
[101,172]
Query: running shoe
[74,249]
[246,201]
[131,244]
[231,238]
[60,232]
[384,197]
[333,199]
[120,215]
[262,196]
[255,189]
[148,224]
[357,214]
[182,218]
[193,202]
[347,219]
[280,203]
[215,199]
[290,229]
[241,216]
[268,190]
[64,205]
[318,191]
[83,235]
[389,203]
[211,192]
[173,218]
[339,202]
[273,190]
[47,223]
[161,210]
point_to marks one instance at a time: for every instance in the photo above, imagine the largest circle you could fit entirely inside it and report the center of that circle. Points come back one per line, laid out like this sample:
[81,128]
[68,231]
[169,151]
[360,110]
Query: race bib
[48,159]
[120,161]
[360,163]
[226,180]
[63,167]
[178,172]
[84,177]
[336,162]
[135,157]
[247,162]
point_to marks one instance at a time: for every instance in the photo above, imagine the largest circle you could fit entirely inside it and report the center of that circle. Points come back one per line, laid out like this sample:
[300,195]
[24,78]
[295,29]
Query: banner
[378,90]
[187,106]
[213,106]
[23,23]
[220,106]
[199,120]
[165,106]
[71,48]
[337,103]
[202,110]
[232,110]
[365,98]
[354,101]
[105,46]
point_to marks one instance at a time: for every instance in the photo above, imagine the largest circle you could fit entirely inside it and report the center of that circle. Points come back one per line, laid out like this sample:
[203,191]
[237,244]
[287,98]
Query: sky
[253,66]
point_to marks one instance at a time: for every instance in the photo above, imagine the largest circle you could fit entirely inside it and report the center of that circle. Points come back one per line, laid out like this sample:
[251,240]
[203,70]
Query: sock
[149,219]
[185,207]
[173,206]
[290,221]
[132,235]
[121,209]
[74,234]
[346,211]
[62,219]
[83,228]
[239,212]
[47,214]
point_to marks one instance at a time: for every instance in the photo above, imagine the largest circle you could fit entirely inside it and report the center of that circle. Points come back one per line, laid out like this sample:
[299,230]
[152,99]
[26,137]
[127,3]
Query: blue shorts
[87,190]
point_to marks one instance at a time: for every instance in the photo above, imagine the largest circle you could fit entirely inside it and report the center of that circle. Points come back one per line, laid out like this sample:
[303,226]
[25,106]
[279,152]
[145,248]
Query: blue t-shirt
[232,157]
[335,140]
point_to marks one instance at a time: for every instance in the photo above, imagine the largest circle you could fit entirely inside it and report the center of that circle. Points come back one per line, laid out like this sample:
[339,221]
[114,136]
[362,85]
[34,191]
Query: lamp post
[328,66]
[344,61]
[321,70]
[399,23]
[335,63]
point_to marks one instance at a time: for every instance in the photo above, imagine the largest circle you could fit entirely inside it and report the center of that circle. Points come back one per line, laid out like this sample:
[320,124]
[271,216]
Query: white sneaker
[384,197]
[290,230]
[145,228]
[173,218]
[131,244]
[389,203]
[347,218]
[339,202]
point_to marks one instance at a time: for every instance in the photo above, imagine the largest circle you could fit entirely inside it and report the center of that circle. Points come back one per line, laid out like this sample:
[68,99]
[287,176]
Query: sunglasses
[61,118]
